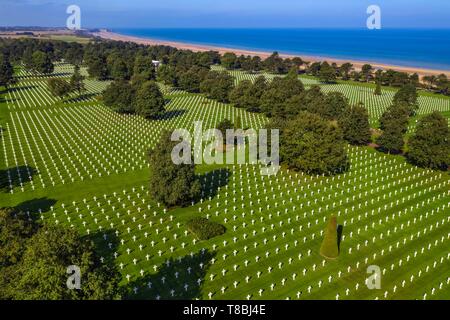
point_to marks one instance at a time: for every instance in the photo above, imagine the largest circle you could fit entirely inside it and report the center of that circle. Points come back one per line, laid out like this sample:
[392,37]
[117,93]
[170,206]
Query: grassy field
[76,163]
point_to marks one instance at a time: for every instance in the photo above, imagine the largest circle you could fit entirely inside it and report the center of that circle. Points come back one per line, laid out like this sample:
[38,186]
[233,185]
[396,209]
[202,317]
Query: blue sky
[227,13]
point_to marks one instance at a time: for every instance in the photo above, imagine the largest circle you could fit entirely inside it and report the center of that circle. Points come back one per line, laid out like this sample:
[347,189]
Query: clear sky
[227,13]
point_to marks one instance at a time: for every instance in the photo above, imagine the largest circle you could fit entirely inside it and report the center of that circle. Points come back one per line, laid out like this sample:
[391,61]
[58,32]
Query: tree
[217,85]
[59,87]
[167,75]
[6,72]
[275,64]
[203,229]
[407,95]
[119,95]
[355,125]
[327,73]
[97,67]
[443,84]
[15,229]
[143,67]
[345,70]
[314,145]
[430,145]
[392,138]
[119,69]
[74,54]
[76,81]
[335,104]
[329,248]
[229,60]
[366,72]
[430,80]
[170,183]
[27,58]
[34,262]
[42,62]
[149,101]
[273,101]
[191,79]
[377,91]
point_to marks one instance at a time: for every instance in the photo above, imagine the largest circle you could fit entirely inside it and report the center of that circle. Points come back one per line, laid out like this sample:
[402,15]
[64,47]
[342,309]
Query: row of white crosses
[376,105]
[32,91]
[118,143]
[234,253]
[240,178]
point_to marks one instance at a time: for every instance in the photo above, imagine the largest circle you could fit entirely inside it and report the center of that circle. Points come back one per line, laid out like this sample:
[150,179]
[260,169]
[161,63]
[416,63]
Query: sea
[420,48]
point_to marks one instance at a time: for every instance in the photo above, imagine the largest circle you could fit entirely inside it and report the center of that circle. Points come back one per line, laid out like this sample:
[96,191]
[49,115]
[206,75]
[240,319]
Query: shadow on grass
[79,98]
[340,230]
[180,279]
[213,180]
[106,243]
[26,175]
[170,114]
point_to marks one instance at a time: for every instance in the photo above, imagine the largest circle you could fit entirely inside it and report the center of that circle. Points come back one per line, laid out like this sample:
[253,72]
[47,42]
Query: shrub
[203,229]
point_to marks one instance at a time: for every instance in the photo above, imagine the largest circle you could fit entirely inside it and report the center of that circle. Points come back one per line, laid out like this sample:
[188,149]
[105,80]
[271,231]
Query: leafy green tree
[42,62]
[98,67]
[345,70]
[15,229]
[59,87]
[6,72]
[314,69]
[275,64]
[170,183]
[167,75]
[311,100]
[443,84]
[27,58]
[74,54]
[143,67]
[430,145]
[34,261]
[77,81]
[274,99]
[329,248]
[398,114]
[327,73]
[119,96]
[119,70]
[149,101]
[391,139]
[217,85]
[355,125]
[314,145]
[407,95]
[377,91]
[191,79]
[203,229]
[229,60]
[335,104]
[366,72]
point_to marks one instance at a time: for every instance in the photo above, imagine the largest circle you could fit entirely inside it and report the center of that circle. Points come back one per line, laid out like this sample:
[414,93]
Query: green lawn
[88,170]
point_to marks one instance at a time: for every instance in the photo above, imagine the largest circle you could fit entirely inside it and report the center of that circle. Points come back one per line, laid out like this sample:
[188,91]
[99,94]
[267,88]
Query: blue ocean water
[425,48]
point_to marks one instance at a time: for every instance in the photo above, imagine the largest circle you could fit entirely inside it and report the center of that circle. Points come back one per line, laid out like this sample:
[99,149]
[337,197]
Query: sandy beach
[198,48]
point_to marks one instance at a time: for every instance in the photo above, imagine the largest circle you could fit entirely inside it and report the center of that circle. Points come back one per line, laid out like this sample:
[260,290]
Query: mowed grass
[393,214]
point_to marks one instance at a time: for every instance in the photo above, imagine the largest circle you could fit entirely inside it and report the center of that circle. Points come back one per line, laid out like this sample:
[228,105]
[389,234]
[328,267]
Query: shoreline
[264,54]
